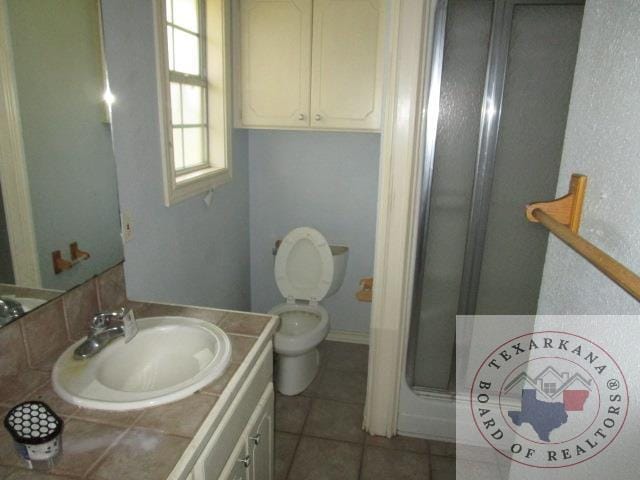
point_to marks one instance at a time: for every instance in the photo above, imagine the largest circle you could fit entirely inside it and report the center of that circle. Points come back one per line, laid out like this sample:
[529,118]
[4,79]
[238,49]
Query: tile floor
[319,435]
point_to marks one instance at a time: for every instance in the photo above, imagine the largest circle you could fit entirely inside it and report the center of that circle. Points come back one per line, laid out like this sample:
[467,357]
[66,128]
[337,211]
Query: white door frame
[398,204]
[13,168]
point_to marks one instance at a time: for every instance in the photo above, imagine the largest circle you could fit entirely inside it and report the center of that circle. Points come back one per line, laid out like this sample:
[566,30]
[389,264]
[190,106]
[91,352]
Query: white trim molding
[347,336]
[218,59]
[13,168]
[395,235]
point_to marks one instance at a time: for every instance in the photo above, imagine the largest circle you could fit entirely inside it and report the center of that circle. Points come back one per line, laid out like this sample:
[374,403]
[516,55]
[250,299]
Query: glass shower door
[503,93]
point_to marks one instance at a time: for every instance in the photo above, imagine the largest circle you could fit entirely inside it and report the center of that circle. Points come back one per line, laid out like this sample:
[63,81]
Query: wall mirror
[59,214]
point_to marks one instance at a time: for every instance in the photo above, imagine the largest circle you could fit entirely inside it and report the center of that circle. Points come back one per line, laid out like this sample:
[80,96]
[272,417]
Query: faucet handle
[103,319]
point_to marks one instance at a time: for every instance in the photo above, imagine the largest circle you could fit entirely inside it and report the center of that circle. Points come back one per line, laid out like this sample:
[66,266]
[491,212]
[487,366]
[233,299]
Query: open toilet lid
[304,265]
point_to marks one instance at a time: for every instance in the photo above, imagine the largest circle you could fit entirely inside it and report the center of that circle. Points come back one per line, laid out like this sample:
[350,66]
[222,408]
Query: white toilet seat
[298,334]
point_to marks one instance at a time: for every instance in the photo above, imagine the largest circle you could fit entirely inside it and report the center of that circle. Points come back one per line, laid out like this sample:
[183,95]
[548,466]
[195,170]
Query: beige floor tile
[83,443]
[335,421]
[285,447]
[171,418]
[348,357]
[443,468]
[319,459]
[291,412]
[348,387]
[399,442]
[385,463]
[141,455]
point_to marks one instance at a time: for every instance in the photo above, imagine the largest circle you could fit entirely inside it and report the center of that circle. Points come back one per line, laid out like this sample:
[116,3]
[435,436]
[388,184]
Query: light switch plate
[127,227]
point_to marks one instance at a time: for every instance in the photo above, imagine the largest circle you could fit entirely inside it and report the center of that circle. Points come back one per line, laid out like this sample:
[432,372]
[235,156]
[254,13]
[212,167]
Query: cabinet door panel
[234,468]
[262,454]
[347,63]
[275,57]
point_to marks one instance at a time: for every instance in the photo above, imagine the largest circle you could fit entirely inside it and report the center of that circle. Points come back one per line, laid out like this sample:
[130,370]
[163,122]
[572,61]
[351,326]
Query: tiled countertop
[139,444]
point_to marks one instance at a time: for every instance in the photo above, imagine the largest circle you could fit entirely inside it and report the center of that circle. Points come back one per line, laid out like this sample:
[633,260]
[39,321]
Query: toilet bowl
[307,269]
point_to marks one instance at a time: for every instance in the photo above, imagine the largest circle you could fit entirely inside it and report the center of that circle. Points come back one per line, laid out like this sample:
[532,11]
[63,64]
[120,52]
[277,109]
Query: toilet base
[295,373]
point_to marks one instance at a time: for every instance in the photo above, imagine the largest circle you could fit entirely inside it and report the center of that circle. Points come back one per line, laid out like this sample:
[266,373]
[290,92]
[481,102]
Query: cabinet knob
[246,461]
[256,438]
[301,116]
[318,116]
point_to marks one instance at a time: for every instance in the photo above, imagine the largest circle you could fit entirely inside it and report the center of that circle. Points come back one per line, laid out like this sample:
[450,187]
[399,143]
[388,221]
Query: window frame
[179,186]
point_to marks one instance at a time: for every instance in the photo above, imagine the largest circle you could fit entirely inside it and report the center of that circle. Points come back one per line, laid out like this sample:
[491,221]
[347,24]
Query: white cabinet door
[261,441]
[275,54]
[238,466]
[347,57]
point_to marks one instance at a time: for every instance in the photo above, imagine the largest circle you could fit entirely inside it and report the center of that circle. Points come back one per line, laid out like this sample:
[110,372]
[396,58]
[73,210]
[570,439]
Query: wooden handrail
[562,218]
[602,261]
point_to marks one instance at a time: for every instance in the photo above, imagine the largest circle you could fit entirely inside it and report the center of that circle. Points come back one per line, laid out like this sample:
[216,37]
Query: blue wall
[328,181]
[187,253]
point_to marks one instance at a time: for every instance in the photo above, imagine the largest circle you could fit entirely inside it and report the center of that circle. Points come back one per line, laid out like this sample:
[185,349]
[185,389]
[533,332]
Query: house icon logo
[549,399]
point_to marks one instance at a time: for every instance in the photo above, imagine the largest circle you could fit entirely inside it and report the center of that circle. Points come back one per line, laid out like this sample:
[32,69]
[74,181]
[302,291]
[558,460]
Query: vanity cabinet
[241,444]
[252,457]
[310,64]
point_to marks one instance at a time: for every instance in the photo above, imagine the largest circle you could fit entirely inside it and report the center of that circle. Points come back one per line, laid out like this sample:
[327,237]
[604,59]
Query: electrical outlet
[127,227]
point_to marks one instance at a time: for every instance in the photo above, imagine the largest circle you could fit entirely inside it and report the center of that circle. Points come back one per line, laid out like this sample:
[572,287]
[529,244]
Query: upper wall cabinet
[310,64]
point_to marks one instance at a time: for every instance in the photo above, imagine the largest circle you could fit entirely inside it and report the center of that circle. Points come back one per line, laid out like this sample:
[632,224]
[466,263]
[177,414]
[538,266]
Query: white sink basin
[169,359]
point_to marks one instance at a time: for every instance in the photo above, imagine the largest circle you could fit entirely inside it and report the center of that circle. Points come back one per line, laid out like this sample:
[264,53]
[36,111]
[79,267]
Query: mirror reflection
[59,217]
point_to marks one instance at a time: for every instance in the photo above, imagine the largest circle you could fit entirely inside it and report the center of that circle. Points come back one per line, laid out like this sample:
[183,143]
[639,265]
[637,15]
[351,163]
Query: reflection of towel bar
[77,256]
[562,218]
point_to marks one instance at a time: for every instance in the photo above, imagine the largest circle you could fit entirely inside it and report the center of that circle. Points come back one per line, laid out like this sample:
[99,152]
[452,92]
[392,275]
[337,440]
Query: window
[549,388]
[193,84]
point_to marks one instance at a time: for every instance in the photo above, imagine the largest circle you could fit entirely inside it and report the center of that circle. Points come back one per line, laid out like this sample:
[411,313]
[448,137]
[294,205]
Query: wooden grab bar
[569,209]
[603,262]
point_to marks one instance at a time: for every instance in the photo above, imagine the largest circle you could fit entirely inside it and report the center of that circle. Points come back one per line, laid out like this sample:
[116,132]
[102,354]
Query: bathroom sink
[169,359]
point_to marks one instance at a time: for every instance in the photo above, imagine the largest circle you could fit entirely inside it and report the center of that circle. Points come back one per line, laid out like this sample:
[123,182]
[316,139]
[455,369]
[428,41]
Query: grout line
[295,451]
[107,450]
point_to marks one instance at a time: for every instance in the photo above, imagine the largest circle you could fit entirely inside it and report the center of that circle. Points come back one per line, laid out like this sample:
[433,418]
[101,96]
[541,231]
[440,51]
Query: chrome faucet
[9,310]
[103,328]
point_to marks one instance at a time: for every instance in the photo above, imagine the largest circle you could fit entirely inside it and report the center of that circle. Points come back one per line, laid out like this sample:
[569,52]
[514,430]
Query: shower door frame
[490,116]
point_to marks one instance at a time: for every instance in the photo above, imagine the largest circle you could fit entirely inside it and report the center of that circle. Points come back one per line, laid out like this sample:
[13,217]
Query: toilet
[307,269]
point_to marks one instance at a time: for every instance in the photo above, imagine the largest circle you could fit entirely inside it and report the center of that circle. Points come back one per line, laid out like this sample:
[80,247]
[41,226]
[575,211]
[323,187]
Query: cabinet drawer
[220,445]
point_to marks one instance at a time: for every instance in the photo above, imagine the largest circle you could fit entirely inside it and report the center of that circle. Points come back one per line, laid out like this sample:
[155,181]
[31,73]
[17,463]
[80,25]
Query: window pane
[178,160]
[176,104]
[186,14]
[187,53]
[170,47]
[193,147]
[192,103]
[169,8]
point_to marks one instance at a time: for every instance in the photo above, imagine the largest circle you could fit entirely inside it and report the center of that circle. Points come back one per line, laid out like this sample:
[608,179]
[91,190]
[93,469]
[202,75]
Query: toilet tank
[340,256]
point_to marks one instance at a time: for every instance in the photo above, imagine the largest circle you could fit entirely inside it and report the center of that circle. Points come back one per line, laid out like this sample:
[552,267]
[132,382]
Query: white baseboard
[348,337]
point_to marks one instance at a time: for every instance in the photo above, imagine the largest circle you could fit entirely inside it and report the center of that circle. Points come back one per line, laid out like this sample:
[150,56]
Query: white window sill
[195,183]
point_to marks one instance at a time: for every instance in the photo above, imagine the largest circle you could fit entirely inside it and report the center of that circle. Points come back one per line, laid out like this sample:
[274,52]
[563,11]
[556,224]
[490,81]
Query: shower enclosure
[497,103]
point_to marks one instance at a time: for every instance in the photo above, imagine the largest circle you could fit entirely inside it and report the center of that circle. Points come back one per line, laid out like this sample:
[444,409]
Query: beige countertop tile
[137,444]
[171,418]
